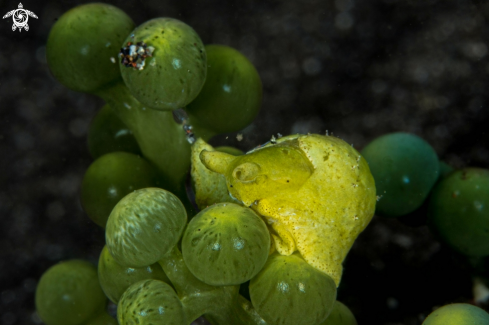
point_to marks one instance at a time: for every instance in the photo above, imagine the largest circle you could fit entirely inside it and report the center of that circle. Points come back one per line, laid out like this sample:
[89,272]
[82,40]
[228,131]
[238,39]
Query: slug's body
[315,192]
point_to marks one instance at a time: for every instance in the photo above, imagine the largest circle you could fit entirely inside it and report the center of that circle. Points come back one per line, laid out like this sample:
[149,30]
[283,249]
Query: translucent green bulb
[84,43]
[458,314]
[102,319]
[110,178]
[405,168]
[69,293]
[340,315]
[144,226]
[108,133]
[458,211]
[115,278]
[176,70]
[288,291]
[226,244]
[232,93]
[150,302]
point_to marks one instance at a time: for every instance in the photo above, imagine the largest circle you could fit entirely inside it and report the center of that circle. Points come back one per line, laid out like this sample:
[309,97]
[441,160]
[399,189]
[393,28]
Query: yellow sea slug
[315,192]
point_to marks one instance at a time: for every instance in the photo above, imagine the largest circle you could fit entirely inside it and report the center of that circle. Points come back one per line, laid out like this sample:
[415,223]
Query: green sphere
[150,302]
[226,244]
[405,168]
[109,179]
[232,93]
[102,319]
[459,211]
[340,315]
[458,314]
[83,46]
[144,226]
[108,133]
[288,291]
[69,293]
[115,278]
[175,73]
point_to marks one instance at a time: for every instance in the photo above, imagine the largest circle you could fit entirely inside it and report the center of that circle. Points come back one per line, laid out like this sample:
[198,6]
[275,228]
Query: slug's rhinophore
[20,17]
[315,192]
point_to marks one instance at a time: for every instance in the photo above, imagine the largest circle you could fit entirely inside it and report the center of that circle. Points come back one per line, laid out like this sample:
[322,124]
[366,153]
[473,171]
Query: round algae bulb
[115,278]
[109,179]
[458,314]
[458,211]
[108,133]
[226,244]
[340,315]
[69,293]
[232,93]
[83,45]
[150,302]
[144,226]
[288,291]
[166,63]
[405,168]
[102,319]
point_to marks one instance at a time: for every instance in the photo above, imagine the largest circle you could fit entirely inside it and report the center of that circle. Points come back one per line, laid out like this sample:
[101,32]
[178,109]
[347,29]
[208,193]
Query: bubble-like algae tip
[340,315]
[150,302]
[115,278]
[458,314]
[405,168]
[315,192]
[457,211]
[83,44]
[69,293]
[288,291]
[232,93]
[174,68]
[102,319]
[144,226]
[226,244]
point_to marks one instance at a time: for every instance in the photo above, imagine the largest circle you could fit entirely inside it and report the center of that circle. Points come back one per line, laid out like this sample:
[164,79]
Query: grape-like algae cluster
[280,218]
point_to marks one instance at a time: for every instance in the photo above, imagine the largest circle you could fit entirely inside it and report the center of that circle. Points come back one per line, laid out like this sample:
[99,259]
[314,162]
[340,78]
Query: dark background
[360,69]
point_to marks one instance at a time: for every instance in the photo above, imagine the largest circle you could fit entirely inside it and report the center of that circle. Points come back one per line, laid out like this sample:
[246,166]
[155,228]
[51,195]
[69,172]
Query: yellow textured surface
[315,192]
